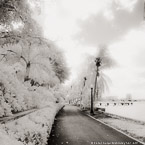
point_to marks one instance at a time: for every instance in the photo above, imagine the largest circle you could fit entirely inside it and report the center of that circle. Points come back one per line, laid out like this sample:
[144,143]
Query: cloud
[129,52]
[110,24]
[135,47]
[101,21]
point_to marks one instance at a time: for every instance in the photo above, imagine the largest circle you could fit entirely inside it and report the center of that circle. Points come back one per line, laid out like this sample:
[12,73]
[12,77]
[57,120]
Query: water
[135,111]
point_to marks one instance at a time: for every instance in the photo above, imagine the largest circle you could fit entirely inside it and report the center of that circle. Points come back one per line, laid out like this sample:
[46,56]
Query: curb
[115,129]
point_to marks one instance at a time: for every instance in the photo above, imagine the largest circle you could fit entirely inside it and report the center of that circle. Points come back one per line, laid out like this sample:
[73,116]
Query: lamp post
[85,78]
[92,103]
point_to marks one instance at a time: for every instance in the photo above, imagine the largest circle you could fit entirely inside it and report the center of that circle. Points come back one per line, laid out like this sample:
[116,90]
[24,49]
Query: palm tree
[98,64]
[102,61]
[38,56]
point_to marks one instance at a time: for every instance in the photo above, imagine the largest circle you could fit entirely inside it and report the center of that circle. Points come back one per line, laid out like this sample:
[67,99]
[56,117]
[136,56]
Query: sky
[78,27]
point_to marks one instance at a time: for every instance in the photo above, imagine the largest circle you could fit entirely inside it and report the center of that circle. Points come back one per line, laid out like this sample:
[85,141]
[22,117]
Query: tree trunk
[95,86]
[97,94]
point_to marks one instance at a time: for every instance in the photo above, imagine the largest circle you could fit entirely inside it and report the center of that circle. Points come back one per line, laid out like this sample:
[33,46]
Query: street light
[92,103]
[85,78]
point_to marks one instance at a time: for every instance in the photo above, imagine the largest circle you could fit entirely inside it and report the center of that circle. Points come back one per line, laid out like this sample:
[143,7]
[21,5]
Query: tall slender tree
[103,61]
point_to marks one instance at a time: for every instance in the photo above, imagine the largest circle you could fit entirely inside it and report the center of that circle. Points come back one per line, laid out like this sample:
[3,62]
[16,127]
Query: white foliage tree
[27,60]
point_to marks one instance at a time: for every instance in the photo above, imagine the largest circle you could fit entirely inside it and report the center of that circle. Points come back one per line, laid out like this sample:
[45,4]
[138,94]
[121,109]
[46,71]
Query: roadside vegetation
[32,69]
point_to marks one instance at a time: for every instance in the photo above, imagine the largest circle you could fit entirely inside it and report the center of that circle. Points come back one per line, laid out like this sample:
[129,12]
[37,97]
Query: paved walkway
[72,127]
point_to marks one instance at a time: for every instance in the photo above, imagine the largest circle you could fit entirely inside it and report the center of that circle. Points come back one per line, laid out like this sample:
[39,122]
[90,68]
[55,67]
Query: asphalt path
[73,127]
